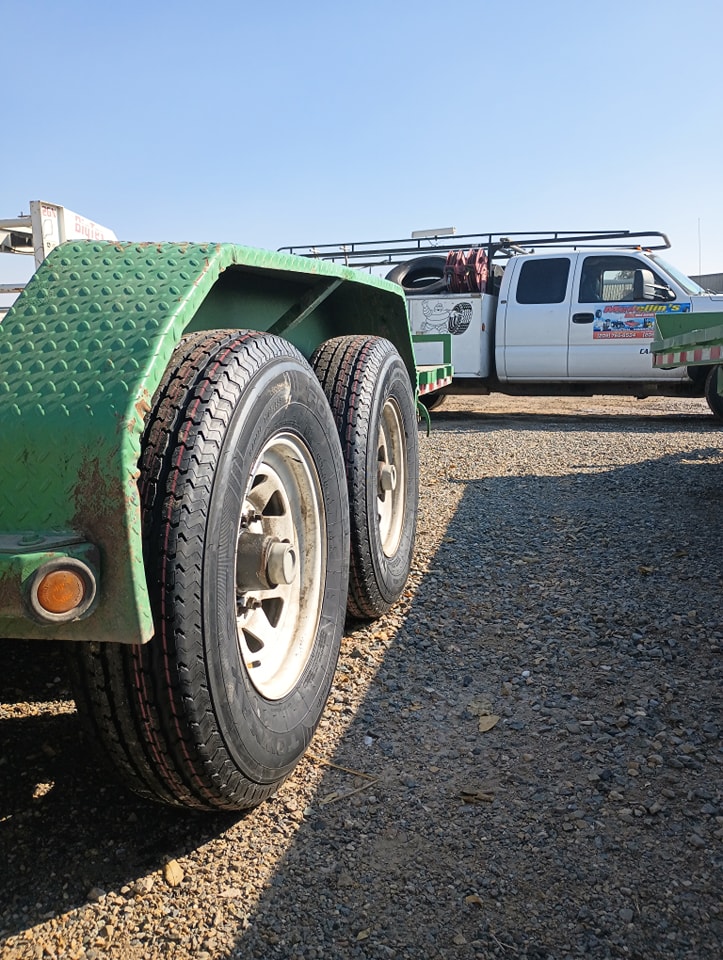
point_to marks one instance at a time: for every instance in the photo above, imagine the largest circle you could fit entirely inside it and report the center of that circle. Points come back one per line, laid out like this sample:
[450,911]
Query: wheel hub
[264,562]
[280,557]
[281,565]
[387,477]
[391,473]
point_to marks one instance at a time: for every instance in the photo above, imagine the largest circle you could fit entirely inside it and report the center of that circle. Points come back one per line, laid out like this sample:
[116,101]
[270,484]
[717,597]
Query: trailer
[695,342]
[208,457]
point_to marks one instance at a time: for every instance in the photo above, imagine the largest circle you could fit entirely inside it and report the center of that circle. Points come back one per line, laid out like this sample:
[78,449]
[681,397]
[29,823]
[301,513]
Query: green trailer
[208,458]
[695,341]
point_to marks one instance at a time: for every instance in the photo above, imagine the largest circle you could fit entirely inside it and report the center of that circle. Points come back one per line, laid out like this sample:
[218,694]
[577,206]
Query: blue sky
[280,123]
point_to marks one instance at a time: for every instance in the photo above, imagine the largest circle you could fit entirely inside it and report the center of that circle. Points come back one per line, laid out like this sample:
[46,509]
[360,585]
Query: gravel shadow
[65,828]
[521,760]
[576,616]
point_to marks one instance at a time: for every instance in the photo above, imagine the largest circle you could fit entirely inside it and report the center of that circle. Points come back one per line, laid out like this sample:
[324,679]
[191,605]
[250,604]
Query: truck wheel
[246,538]
[432,401]
[370,395]
[712,394]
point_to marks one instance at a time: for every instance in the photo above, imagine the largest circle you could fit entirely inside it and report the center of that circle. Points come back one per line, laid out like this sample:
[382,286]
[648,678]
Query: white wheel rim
[280,563]
[391,477]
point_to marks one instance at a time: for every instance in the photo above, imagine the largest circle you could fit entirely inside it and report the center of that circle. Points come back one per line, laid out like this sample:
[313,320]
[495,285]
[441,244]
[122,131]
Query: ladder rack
[377,253]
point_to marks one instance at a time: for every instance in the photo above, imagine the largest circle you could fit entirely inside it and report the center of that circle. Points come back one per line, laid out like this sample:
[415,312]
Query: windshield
[690,286]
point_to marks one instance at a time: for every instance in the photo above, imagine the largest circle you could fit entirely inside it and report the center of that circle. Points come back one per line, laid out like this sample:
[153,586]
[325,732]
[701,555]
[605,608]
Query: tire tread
[350,370]
[134,699]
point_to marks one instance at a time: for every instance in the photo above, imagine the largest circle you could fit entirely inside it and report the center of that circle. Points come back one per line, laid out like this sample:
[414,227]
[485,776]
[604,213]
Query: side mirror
[643,285]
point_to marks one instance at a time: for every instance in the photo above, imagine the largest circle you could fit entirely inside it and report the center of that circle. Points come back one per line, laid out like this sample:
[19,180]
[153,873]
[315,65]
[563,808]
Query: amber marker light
[62,590]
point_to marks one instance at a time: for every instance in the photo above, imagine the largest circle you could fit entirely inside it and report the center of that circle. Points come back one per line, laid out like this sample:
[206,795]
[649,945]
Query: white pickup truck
[552,314]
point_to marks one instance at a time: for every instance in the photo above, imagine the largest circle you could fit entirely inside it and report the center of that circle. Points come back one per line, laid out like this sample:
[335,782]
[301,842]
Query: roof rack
[376,253]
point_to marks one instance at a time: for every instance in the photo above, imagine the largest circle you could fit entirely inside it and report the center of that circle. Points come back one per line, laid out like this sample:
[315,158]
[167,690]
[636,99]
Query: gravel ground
[521,760]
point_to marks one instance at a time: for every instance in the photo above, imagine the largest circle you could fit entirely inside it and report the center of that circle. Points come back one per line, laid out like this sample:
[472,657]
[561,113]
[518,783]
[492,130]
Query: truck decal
[624,321]
[441,318]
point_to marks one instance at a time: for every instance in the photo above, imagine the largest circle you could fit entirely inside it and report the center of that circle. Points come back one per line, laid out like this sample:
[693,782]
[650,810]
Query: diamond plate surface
[81,352]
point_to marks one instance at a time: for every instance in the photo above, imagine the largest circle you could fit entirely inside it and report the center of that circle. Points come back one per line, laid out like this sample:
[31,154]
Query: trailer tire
[712,394]
[245,521]
[370,395]
[422,275]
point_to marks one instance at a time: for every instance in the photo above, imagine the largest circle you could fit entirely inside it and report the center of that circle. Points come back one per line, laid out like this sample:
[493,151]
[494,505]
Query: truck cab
[589,316]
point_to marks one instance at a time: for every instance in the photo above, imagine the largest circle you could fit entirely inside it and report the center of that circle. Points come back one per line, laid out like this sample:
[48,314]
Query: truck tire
[370,395]
[246,535]
[712,395]
[421,275]
[432,401]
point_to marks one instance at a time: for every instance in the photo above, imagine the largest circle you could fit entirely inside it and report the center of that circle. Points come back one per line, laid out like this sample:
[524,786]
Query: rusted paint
[103,505]
[8,594]
[143,406]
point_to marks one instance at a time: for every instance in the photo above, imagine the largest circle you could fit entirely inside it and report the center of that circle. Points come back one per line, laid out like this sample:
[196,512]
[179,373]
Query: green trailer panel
[687,339]
[434,376]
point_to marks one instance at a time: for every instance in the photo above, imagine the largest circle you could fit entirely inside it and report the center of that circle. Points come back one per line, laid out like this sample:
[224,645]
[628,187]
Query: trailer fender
[82,352]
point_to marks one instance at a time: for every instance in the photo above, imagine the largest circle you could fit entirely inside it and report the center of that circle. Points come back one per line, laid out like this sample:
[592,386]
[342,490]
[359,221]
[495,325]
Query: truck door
[535,298]
[612,318]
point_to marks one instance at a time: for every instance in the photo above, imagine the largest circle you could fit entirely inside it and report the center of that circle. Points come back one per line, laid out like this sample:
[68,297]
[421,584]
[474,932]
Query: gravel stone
[567,582]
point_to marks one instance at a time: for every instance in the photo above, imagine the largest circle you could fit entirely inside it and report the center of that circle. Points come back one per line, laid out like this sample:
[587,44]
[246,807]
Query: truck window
[543,281]
[690,286]
[611,279]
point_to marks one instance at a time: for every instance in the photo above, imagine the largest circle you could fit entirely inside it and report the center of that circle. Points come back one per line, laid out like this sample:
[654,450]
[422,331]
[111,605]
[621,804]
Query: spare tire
[421,275]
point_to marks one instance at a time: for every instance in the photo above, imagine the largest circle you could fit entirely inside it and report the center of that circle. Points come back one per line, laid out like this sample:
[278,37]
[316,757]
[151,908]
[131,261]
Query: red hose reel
[466,270]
